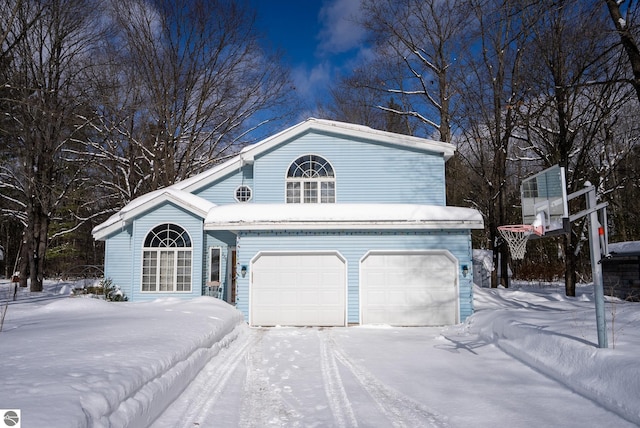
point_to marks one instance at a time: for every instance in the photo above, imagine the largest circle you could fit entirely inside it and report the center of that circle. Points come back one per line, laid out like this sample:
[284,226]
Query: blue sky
[318,37]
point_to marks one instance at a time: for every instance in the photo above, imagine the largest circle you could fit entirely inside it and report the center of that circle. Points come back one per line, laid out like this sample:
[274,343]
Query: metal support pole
[596,269]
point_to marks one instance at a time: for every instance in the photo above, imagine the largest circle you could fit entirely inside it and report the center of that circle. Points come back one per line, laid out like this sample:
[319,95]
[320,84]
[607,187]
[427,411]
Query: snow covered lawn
[527,357]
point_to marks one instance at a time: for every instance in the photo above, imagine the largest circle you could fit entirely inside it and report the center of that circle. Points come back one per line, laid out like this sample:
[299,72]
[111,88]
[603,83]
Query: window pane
[183,277]
[327,192]
[310,191]
[166,270]
[149,270]
[215,265]
[293,193]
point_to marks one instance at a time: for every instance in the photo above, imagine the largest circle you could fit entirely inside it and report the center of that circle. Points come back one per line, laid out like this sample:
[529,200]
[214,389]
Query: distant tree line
[103,101]
[517,86]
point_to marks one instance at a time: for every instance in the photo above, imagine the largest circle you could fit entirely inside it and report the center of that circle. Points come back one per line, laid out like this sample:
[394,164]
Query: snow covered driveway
[527,357]
[375,377]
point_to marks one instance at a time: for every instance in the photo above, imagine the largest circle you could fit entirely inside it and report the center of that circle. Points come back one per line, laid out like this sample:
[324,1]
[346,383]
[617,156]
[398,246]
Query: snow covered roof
[348,130]
[188,201]
[628,248]
[341,216]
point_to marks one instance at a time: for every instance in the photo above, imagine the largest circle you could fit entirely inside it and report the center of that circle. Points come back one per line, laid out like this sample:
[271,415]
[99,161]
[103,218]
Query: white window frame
[171,267]
[235,193]
[311,187]
[211,250]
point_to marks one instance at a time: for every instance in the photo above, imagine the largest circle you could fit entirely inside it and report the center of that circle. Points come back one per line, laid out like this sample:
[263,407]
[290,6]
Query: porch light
[243,271]
[465,270]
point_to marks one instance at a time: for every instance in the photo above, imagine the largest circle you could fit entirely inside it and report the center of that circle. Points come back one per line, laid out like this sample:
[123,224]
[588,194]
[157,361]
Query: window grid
[310,179]
[166,263]
[243,194]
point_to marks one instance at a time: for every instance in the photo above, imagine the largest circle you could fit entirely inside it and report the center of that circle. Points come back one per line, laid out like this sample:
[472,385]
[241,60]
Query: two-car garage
[408,288]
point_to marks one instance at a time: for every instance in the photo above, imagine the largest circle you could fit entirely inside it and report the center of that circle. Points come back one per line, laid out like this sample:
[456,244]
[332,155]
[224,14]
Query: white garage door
[417,288]
[298,289]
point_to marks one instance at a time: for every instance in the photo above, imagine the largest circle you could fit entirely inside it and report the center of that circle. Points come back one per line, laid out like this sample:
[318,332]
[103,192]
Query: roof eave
[347,225]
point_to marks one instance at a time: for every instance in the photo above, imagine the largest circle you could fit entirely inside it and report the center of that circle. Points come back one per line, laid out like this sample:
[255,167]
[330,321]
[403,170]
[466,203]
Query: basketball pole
[595,248]
[596,266]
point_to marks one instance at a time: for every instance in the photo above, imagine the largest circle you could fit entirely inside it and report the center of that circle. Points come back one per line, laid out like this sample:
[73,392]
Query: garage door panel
[309,290]
[412,288]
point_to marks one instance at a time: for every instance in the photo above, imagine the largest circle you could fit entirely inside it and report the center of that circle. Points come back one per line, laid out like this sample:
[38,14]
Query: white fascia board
[347,225]
[105,229]
[341,216]
[199,180]
[193,204]
[348,130]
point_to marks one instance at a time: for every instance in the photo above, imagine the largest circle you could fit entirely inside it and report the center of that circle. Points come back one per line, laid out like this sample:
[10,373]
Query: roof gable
[194,204]
[342,129]
[347,130]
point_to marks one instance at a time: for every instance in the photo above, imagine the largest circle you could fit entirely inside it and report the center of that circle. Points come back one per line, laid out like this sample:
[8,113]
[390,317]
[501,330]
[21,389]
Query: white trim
[211,248]
[444,252]
[295,252]
[349,130]
[143,248]
[235,193]
[318,180]
[191,203]
[344,216]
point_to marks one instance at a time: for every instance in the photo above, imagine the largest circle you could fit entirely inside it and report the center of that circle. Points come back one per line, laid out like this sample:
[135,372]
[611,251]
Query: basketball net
[517,236]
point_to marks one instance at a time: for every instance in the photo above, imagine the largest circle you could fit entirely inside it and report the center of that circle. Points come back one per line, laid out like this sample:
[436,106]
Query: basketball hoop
[516,236]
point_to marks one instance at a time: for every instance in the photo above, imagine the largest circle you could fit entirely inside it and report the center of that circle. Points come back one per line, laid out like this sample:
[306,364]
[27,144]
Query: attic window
[243,194]
[310,179]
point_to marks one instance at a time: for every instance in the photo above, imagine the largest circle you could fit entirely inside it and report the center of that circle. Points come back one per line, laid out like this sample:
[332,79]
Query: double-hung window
[310,179]
[166,260]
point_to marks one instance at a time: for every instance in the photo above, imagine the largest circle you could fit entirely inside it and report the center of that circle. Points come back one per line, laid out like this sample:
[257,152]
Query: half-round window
[243,194]
[166,260]
[310,179]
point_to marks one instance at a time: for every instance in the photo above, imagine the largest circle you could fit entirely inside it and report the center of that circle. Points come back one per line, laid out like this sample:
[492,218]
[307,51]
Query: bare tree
[627,37]
[424,37]
[356,99]
[44,98]
[492,88]
[190,84]
[566,114]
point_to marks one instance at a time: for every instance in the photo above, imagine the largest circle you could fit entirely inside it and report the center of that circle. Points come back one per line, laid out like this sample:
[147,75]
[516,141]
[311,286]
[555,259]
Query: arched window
[166,260]
[310,179]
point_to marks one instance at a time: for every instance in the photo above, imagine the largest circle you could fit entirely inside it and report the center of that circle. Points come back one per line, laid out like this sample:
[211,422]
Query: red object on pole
[601,231]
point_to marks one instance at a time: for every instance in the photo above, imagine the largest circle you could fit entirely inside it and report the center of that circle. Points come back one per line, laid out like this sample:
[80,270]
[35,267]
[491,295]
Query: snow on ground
[527,357]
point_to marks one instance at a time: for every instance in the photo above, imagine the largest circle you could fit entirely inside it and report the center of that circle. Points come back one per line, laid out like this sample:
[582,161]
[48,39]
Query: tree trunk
[570,266]
[628,42]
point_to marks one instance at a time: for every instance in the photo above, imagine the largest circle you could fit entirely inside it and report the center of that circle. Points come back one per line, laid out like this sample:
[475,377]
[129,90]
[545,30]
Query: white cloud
[340,32]
[309,82]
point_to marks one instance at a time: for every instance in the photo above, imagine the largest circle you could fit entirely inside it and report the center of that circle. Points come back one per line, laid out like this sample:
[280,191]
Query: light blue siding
[365,171]
[118,264]
[223,190]
[353,246]
[168,213]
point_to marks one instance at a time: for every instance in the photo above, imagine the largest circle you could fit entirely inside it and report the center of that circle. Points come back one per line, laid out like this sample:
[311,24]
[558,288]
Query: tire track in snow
[261,404]
[336,394]
[400,410]
[204,392]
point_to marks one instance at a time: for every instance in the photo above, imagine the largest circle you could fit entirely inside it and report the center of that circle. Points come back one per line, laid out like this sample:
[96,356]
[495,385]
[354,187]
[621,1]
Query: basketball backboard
[544,199]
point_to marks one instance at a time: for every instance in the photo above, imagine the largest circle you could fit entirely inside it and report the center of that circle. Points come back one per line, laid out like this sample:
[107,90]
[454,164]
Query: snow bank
[86,362]
[562,343]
